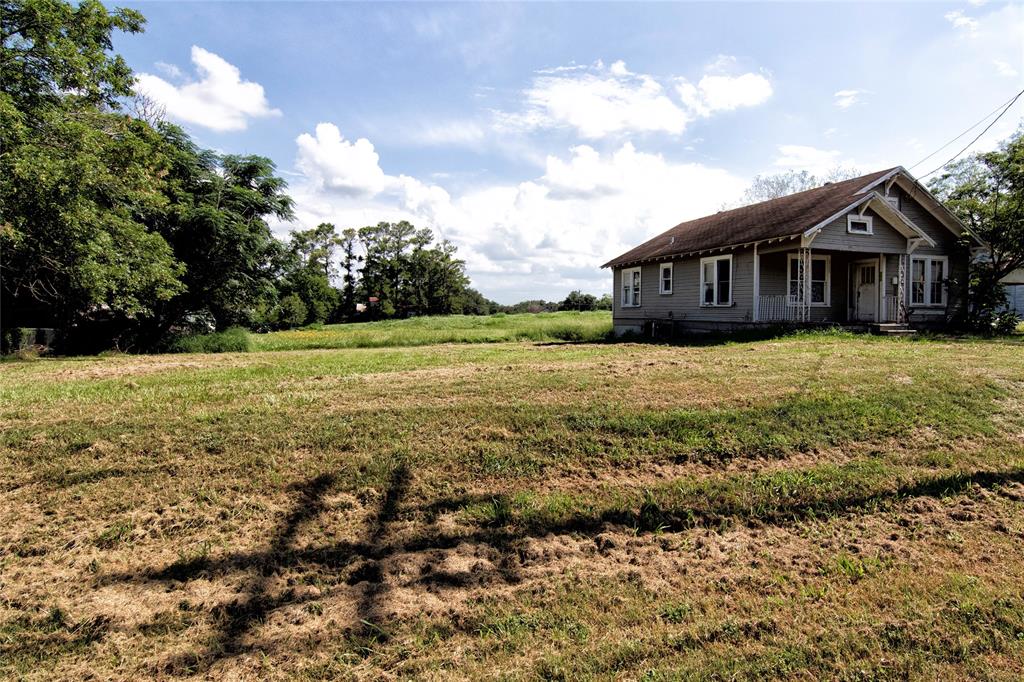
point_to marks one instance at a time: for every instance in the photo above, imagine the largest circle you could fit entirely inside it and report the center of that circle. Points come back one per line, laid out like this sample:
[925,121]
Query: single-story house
[875,249]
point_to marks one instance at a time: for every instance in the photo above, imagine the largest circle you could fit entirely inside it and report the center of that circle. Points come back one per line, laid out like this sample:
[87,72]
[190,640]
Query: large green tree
[76,177]
[217,223]
[986,191]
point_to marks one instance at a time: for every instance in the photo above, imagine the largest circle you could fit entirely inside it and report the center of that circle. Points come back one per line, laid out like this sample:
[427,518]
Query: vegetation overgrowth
[421,331]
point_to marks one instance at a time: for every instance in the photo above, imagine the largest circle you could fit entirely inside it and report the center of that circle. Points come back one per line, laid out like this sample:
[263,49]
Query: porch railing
[892,309]
[779,308]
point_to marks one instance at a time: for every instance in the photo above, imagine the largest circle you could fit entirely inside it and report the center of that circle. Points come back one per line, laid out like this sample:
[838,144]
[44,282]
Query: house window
[716,280]
[631,287]
[893,200]
[858,224]
[928,281]
[665,286]
[820,280]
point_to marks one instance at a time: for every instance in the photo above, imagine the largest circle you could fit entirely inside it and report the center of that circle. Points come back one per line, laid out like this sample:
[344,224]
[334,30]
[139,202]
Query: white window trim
[622,298]
[732,276]
[828,280]
[661,279]
[851,219]
[929,303]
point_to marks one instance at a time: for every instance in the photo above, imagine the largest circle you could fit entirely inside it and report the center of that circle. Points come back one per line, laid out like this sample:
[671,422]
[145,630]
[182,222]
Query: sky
[545,139]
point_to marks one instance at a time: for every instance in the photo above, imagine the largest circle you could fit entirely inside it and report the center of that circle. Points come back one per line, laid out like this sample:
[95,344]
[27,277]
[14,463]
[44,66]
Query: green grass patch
[422,331]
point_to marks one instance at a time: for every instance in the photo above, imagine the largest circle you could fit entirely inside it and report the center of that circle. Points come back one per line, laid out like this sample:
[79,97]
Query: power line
[983,119]
[954,157]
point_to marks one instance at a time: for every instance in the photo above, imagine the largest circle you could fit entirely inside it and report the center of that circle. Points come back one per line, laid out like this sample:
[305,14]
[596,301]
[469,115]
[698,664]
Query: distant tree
[475,303]
[407,273]
[577,300]
[986,191]
[316,248]
[349,243]
[773,186]
[531,306]
[604,303]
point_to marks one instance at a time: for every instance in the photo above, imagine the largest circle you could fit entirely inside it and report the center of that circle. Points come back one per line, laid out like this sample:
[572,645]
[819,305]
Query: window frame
[929,281]
[637,299]
[732,276]
[866,219]
[661,278]
[828,280]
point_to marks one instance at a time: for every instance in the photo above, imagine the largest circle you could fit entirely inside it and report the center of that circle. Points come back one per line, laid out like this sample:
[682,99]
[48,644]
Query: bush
[292,312]
[1005,323]
[233,340]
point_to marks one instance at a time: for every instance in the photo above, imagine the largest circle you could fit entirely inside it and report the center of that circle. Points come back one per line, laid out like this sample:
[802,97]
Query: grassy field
[817,506]
[422,331]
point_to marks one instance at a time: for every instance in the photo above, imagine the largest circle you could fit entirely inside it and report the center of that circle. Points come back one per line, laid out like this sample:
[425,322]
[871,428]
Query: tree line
[117,228]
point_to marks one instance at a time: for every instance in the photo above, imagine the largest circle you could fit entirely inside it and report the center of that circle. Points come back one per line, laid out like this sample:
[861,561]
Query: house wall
[1015,298]
[946,244]
[683,304]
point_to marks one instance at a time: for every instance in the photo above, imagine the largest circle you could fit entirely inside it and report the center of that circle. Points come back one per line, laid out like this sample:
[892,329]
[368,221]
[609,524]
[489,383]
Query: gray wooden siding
[946,244]
[684,301]
[885,239]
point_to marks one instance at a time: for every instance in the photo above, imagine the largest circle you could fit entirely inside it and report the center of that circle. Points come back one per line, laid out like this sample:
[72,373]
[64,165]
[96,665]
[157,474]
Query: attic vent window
[856,224]
[672,239]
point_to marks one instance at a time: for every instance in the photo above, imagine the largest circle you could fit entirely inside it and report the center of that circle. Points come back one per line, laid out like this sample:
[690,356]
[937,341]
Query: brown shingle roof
[782,217]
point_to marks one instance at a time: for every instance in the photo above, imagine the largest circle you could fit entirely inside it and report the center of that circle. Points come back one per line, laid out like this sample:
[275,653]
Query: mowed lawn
[815,506]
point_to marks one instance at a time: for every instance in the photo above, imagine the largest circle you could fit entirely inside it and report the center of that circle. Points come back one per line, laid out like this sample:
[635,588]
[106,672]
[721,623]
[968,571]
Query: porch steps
[893,329]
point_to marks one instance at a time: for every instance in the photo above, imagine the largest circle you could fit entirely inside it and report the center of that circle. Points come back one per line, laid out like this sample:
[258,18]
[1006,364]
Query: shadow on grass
[500,537]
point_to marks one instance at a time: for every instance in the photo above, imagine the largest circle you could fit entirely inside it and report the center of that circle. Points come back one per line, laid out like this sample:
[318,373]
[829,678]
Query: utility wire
[954,157]
[984,118]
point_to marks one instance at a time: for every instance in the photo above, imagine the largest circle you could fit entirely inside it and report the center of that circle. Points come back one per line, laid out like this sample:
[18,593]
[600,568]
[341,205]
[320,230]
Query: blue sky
[544,139]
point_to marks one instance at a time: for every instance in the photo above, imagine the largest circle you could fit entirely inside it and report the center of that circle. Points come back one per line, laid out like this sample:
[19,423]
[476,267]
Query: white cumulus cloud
[536,238]
[331,162]
[599,100]
[218,99]
[715,93]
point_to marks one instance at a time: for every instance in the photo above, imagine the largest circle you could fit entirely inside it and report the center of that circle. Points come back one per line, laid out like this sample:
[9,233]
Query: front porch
[805,286]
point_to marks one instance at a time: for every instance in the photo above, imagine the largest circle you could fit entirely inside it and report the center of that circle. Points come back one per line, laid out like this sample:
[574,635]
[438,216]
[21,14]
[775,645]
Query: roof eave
[615,263]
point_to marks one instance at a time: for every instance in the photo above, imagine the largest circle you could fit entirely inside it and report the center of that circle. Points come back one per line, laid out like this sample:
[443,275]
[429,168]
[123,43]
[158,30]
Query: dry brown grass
[811,507]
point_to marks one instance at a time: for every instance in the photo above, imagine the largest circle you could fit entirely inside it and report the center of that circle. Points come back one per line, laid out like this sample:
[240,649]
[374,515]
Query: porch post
[883,313]
[806,307]
[901,291]
[757,284]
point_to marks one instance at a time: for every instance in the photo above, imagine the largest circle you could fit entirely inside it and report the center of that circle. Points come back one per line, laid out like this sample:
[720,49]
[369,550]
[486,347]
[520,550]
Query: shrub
[233,340]
[292,312]
[1005,323]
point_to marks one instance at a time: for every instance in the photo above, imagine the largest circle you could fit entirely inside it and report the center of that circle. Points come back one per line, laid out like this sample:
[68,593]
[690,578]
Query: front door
[866,287]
